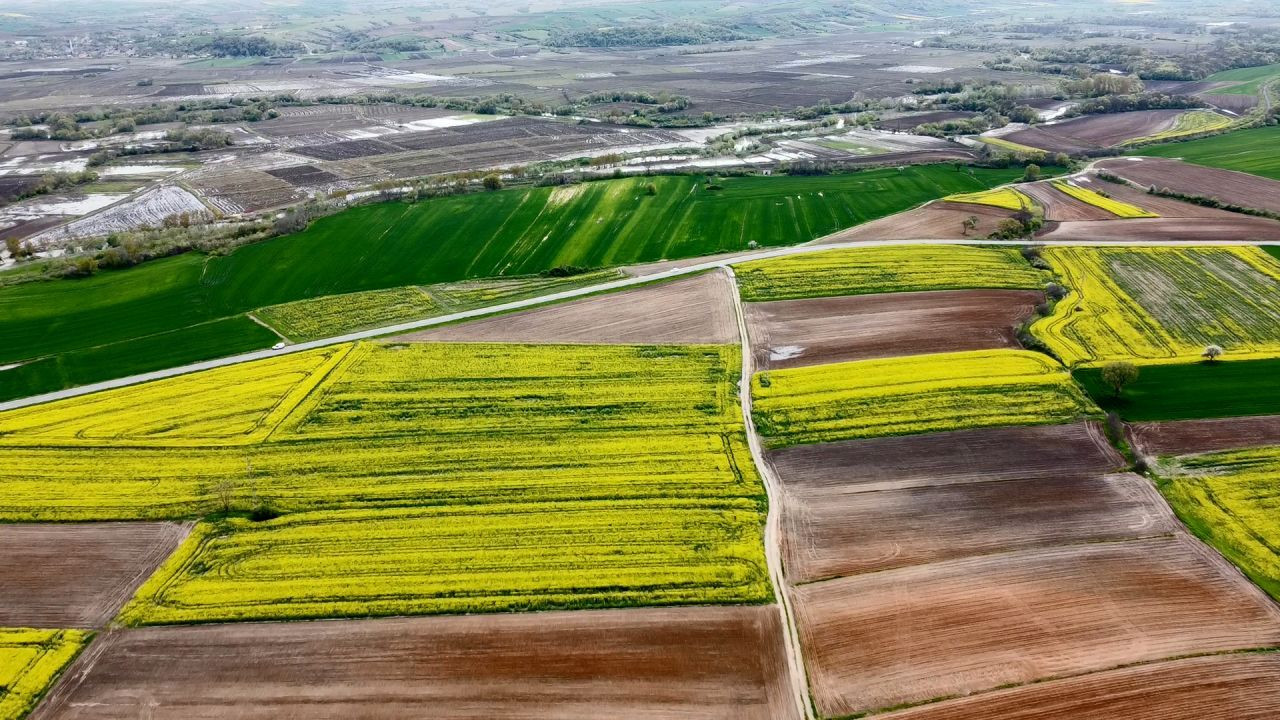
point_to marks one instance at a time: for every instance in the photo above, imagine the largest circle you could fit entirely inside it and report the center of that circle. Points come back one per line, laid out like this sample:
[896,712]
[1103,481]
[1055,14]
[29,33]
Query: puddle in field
[786,352]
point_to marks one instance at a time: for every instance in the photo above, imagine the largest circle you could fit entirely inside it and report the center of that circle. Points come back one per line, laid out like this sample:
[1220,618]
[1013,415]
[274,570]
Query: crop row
[1231,500]
[29,662]
[1158,303]
[1098,200]
[860,271]
[916,394]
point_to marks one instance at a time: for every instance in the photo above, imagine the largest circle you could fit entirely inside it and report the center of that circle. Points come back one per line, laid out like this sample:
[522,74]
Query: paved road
[775,491]
[693,266]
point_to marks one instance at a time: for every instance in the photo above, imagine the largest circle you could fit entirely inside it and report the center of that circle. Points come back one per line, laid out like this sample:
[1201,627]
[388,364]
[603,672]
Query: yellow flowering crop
[858,271]
[1162,303]
[1017,148]
[1232,500]
[1090,197]
[1190,123]
[30,660]
[1007,198]
[917,394]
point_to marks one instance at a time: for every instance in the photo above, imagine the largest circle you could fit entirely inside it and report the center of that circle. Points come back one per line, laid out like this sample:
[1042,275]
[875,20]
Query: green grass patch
[1251,151]
[508,233]
[1250,80]
[1190,391]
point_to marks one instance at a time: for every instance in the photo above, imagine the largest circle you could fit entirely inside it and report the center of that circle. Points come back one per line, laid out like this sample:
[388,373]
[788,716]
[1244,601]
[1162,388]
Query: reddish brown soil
[1191,230]
[963,456]
[936,221]
[681,664]
[951,628]
[829,534]
[829,330]
[1227,186]
[1095,131]
[692,310]
[1059,206]
[77,576]
[1221,687]
[1185,437]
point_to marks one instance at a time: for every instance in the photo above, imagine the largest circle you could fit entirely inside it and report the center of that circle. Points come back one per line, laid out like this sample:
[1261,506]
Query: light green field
[1249,80]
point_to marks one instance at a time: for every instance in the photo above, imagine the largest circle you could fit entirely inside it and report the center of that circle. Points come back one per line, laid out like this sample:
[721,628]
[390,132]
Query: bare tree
[970,224]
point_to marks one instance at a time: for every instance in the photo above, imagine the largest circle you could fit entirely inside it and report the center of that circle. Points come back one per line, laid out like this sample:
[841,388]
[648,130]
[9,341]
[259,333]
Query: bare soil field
[830,534]
[78,576]
[965,456]
[936,221]
[958,627]
[678,664]
[1236,227]
[695,310]
[236,191]
[1220,687]
[1185,437]
[1226,185]
[1093,132]
[794,333]
[1059,206]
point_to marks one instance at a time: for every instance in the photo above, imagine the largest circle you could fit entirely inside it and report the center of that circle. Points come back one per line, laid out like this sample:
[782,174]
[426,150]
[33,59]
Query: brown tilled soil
[793,333]
[936,221]
[77,576]
[829,534]
[913,634]
[1221,687]
[1059,206]
[964,456]
[692,310]
[681,664]
[1184,437]
[1095,131]
[1225,185]
[1196,229]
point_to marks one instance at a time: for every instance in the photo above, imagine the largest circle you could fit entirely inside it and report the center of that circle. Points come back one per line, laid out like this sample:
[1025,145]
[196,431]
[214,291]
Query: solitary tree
[492,182]
[1212,353]
[1032,174]
[970,224]
[1119,374]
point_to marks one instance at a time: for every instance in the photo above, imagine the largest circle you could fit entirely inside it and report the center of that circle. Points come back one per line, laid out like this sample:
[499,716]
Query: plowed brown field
[952,628]
[1059,206]
[694,310]
[1239,227]
[793,333]
[936,221]
[830,534]
[721,663]
[77,576]
[1184,437]
[1092,132]
[963,456]
[1225,185]
[1221,687]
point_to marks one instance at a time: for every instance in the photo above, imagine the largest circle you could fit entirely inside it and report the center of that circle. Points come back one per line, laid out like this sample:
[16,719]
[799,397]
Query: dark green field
[1187,392]
[508,233]
[1251,151]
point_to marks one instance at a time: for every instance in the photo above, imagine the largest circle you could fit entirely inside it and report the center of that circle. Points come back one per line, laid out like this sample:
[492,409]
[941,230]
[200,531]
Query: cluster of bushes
[1139,101]
[50,182]
[646,35]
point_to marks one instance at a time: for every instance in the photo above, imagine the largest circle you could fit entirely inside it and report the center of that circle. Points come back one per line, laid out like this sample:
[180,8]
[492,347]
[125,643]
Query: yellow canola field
[916,394]
[1115,207]
[861,271]
[1232,500]
[30,660]
[1162,304]
[1195,122]
[1007,198]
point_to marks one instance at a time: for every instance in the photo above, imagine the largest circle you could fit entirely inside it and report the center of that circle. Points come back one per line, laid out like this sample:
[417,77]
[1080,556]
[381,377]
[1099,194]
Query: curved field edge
[30,661]
[604,223]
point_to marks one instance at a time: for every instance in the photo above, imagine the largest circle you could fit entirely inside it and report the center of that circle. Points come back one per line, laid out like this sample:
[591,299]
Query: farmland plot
[925,393]
[860,271]
[1251,151]
[150,209]
[1183,437]
[1098,200]
[1007,198]
[698,663]
[1156,303]
[1228,186]
[30,660]
[1232,500]
[951,628]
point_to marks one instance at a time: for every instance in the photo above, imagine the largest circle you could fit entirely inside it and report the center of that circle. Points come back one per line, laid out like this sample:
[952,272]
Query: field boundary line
[775,492]
[695,266]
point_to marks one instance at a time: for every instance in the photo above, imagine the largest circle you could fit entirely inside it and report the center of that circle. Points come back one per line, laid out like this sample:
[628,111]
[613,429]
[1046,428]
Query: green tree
[492,181]
[1032,174]
[1118,375]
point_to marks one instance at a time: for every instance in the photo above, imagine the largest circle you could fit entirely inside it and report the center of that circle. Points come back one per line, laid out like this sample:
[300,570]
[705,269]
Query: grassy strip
[1232,388]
